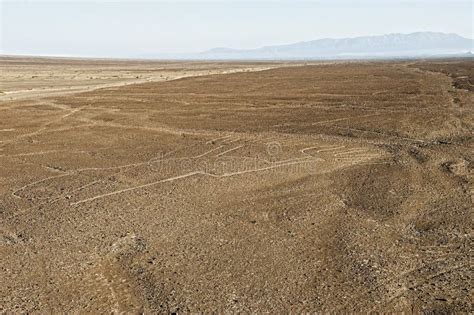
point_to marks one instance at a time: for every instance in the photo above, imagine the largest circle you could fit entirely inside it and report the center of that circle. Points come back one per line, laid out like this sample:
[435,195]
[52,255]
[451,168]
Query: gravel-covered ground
[342,187]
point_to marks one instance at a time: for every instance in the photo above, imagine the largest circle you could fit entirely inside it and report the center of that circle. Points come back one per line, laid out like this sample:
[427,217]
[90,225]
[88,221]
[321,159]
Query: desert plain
[157,187]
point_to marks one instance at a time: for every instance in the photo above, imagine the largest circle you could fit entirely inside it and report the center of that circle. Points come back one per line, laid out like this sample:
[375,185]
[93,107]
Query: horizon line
[182,55]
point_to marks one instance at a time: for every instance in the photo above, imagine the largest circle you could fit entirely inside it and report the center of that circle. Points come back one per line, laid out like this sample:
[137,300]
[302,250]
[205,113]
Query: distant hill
[421,44]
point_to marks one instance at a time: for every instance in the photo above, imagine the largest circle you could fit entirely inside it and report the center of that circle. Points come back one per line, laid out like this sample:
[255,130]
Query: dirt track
[336,188]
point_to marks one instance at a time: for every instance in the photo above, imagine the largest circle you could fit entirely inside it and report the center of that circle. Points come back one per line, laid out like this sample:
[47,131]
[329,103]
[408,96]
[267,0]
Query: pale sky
[142,28]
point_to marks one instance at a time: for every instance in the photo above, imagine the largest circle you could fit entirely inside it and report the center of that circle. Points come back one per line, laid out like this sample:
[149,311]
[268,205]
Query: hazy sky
[143,28]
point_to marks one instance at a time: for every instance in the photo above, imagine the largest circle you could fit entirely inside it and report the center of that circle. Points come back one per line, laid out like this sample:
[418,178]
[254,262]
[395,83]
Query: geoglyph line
[170,179]
[230,150]
[232,141]
[355,151]
[37,182]
[210,151]
[342,119]
[72,172]
[219,138]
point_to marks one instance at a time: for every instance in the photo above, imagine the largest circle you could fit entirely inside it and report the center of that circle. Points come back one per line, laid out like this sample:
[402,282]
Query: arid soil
[27,78]
[340,187]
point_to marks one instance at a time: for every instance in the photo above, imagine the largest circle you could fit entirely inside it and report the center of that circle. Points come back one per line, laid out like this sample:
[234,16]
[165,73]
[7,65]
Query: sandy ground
[28,78]
[334,187]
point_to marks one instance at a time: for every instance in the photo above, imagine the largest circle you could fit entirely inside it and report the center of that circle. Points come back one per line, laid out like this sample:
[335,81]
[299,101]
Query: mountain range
[420,44]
